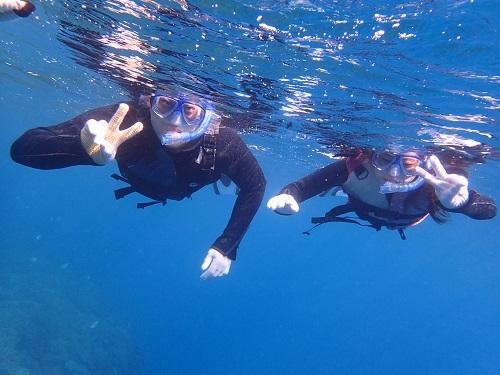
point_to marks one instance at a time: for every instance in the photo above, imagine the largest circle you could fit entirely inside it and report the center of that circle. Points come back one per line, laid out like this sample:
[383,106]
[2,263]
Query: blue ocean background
[91,285]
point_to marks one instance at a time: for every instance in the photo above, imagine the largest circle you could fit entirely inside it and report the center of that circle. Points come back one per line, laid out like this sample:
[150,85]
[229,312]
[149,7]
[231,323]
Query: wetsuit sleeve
[238,162]
[478,207]
[57,146]
[317,182]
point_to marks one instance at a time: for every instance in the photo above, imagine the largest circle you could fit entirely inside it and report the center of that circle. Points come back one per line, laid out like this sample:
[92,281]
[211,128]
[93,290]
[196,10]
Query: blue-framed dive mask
[178,119]
[398,166]
[406,164]
[175,109]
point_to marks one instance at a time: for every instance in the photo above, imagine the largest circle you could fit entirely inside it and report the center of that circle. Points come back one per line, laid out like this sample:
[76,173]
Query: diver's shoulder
[228,137]
[228,133]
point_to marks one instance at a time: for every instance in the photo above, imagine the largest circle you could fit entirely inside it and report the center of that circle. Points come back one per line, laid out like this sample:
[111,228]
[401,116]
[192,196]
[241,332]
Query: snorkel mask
[399,167]
[179,118]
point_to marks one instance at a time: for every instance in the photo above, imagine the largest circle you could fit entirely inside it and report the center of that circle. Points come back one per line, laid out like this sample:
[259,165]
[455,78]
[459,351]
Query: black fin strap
[322,220]
[123,192]
[147,204]
[119,178]
[335,219]
[340,210]
[216,188]
[308,232]
[402,234]
[331,216]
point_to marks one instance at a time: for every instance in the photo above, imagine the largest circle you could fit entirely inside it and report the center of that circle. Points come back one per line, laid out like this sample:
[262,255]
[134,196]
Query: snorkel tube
[394,187]
[174,138]
[12,9]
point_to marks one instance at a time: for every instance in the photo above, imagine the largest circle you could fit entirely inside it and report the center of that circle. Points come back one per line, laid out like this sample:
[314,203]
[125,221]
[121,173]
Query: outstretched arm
[242,167]
[65,145]
[287,201]
[52,147]
[317,182]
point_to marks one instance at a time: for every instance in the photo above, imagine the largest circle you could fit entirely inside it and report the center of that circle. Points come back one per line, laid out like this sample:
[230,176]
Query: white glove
[283,204]
[215,265]
[10,9]
[451,189]
[101,139]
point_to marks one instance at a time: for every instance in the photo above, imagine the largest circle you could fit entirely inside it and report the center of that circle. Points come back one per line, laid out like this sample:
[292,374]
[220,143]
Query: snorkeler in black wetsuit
[173,145]
[388,190]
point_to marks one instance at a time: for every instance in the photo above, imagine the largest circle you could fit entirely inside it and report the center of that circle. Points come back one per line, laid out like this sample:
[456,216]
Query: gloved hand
[101,139]
[10,9]
[215,265]
[451,189]
[283,204]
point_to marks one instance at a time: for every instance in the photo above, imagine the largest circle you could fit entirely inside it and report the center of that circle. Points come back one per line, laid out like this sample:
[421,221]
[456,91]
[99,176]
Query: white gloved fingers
[109,151]
[292,203]
[96,128]
[428,177]
[453,198]
[212,271]
[10,5]
[221,269]
[274,204]
[86,137]
[113,134]
[271,203]
[215,264]
[284,204]
[217,271]
[93,140]
[456,192]
[92,134]
[226,269]
[437,167]
[206,262]
[12,9]
[451,189]
[117,119]
[129,133]
[206,275]
[208,265]
[209,271]
[457,180]
[101,139]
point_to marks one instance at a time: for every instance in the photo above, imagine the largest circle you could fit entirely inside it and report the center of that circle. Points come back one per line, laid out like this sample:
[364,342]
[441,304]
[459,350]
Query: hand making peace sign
[451,189]
[102,139]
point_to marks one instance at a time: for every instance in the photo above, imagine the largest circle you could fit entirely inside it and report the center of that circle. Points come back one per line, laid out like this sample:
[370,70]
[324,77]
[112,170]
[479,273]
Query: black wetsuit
[152,169]
[478,206]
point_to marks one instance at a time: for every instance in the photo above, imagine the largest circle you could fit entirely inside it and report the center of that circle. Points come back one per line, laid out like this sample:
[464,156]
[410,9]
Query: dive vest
[154,176]
[368,204]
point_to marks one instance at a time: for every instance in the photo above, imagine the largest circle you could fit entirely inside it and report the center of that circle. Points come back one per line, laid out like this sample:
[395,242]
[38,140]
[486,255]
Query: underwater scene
[292,187]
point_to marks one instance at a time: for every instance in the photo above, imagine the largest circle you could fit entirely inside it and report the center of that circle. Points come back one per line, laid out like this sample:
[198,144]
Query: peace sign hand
[102,139]
[451,189]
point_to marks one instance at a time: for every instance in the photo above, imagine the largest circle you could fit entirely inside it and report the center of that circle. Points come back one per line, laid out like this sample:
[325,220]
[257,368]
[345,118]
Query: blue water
[89,285]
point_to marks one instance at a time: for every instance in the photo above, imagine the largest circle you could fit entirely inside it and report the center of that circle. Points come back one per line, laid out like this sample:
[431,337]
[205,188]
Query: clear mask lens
[384,160]
[193,114]
[388,161]
[164,106]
